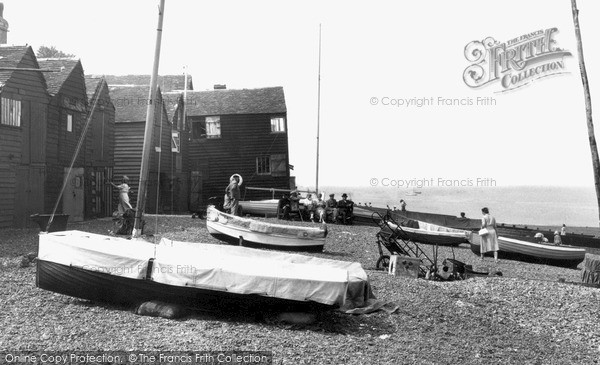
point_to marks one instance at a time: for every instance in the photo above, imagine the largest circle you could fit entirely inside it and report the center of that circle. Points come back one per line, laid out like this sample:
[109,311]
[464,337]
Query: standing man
[232,192]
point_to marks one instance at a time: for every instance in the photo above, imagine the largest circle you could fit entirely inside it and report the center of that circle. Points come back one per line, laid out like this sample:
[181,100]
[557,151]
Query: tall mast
[318,113]
[147,147]
[588,103]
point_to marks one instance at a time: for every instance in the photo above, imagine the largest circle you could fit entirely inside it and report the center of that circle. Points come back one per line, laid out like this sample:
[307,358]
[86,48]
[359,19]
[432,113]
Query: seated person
[320,205]
[283,208]
[557,239]
[345,209]
[540,238]
[294,202]
[309,207]
[331,208]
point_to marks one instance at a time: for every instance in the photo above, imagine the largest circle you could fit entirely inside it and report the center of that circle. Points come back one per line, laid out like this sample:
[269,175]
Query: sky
[376,57]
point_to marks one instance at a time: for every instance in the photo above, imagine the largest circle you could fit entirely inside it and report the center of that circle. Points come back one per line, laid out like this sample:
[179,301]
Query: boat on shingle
[252,232]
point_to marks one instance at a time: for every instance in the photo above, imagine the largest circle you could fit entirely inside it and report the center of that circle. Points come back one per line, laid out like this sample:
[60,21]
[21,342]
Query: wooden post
[588,105]
[147,147]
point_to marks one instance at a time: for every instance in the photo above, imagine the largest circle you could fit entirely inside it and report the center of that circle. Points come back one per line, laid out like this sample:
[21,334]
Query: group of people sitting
[316,209]
[540,238]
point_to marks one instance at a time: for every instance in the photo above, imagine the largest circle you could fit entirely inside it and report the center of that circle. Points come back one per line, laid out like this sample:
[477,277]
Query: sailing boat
[117,270]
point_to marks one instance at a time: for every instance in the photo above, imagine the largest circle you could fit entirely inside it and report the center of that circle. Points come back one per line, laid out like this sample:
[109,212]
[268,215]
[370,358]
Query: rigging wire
[161,106]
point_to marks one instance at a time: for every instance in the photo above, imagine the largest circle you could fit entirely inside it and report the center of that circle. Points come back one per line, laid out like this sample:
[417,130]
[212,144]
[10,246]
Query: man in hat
[345,208]
[331,208]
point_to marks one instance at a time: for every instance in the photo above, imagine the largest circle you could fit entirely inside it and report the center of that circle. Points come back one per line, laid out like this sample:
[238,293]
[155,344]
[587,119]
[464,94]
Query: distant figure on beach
[462,215]
[402,205]
[124,204]
[557,239]
[489,241]
[563,230]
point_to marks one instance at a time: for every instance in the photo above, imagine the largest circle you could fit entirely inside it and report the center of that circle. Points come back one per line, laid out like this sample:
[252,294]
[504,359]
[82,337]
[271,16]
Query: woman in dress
[124,204]
[489,241]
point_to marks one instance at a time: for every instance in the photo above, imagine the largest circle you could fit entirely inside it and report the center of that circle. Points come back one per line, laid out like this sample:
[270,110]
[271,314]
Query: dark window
[263,165]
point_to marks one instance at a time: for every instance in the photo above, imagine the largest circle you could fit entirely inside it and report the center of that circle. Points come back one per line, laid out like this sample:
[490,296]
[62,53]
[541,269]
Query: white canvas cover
[94,252]
[232,269]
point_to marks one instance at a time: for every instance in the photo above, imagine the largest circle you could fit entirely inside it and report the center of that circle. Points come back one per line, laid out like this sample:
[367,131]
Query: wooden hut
[99,151]
[173,88]
[237,131]
[130,121]
[67,114]
[23,112]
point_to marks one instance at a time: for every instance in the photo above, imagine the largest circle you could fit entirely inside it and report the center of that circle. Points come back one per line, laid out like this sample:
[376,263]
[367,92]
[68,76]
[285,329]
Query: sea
[524,205]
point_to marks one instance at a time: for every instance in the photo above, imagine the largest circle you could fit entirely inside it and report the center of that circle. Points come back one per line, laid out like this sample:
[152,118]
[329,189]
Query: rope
[77,149]
[158,173]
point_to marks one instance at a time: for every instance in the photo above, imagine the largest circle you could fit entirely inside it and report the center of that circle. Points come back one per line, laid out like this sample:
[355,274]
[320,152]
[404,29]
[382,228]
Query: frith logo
[514,63]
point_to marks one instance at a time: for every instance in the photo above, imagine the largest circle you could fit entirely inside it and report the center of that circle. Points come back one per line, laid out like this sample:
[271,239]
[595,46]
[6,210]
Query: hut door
[73,195]
[196,192]
[30,195]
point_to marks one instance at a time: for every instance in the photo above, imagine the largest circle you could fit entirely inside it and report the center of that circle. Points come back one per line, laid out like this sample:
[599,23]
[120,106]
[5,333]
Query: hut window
[213,127]
[69,122]
[175,141]
[277,125]
[11,112]
[263,165]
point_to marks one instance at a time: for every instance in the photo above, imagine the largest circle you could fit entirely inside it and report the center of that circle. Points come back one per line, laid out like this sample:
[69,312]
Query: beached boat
[257,233]
[129,272]
[423,232]
[363,215]
[511,248]
[263,208]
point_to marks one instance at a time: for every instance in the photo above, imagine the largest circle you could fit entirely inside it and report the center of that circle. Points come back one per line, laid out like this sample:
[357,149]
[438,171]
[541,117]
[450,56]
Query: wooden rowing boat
[423,232]
[512,248]
[261,208]
[257,233]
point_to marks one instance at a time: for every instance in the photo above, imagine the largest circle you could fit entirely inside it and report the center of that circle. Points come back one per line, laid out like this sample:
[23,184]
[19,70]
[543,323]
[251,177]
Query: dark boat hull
[107,288]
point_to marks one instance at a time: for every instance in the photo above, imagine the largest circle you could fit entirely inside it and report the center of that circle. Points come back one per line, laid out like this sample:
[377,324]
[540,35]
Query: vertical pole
[147,147]
[318,113]
[588,104]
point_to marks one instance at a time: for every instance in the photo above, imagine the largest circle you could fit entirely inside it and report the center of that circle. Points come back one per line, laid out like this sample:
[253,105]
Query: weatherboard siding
[22,152]
[62,144]
[244,137]
[129,141]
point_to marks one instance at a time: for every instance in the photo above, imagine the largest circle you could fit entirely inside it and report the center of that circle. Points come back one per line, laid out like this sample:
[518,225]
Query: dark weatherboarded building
[100,148]
[237,131]
[23,112]
[67,114]
[130,116]
[177,177]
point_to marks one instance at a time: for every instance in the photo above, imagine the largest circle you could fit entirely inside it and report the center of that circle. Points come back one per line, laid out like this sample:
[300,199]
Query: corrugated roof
[165,82]
[244,101]
[130,102]
[62,67]
[10,57]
